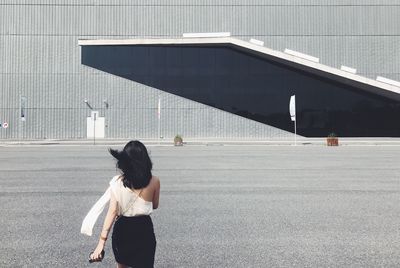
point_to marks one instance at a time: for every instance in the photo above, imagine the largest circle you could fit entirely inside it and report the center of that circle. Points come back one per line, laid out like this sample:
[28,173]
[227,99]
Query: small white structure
[256,42]
[348,69]
[388,81]
[95,126]
[301,55]
[198,35]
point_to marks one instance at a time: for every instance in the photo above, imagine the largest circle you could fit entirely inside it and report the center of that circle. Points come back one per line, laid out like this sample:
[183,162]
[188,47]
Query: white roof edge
[156,41]
[301,55]
[388,81]
[270,53]
[348,69]
[256,42]
[210,34]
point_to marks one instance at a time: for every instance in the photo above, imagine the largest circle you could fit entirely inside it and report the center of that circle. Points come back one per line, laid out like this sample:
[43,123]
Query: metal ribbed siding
[40,58]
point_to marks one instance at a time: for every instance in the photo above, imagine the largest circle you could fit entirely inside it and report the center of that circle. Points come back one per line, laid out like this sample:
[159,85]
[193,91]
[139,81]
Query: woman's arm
[108,222]
[156,195]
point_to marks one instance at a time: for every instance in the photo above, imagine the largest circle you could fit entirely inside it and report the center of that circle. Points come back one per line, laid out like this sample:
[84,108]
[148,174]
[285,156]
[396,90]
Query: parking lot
[220,205]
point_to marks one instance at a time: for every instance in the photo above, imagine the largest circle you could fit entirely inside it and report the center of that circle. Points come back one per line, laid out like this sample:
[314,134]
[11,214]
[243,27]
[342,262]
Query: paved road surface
[221,206]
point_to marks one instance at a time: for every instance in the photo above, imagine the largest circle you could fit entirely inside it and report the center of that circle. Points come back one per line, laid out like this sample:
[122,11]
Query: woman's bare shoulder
[155,181]
[117,177]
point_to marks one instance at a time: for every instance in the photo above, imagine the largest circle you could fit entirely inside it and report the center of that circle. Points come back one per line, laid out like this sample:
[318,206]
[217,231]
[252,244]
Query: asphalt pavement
[220,205]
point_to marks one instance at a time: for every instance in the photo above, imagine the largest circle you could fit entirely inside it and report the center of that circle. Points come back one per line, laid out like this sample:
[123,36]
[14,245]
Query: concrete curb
[205,142]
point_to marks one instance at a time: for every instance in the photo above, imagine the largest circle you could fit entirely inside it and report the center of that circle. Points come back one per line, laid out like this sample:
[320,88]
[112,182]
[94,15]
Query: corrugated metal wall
[40,59]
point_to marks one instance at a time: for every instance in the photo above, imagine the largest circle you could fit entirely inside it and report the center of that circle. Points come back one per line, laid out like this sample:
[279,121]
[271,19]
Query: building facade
[45,77]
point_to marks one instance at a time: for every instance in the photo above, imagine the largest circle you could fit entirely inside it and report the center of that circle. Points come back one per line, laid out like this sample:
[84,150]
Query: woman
[134,195]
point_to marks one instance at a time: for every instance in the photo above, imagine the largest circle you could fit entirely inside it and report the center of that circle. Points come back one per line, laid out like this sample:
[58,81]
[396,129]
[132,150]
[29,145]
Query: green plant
[332,135]
[178,140]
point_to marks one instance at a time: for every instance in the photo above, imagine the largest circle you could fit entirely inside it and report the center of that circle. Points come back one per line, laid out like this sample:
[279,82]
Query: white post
[295,131]
[292,111]
[20,119]
[20,131]
[159,119]
[94,128]
[22,106]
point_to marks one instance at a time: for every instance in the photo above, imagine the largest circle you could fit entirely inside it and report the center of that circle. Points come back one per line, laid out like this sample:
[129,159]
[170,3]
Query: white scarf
[96,210]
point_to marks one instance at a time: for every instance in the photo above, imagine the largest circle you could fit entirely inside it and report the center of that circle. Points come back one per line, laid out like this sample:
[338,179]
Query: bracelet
[103,238]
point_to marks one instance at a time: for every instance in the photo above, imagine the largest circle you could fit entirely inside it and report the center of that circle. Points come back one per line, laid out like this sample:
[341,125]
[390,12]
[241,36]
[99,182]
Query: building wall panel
[40,58]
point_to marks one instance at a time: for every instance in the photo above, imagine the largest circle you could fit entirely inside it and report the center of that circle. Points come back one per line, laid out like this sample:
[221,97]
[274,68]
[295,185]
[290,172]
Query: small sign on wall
[22,107]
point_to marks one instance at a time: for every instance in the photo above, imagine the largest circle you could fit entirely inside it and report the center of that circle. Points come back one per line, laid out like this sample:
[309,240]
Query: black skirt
[134,242]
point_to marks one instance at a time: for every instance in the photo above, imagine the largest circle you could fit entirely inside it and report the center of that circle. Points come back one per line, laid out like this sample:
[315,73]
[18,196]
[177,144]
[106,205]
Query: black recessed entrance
[252,87]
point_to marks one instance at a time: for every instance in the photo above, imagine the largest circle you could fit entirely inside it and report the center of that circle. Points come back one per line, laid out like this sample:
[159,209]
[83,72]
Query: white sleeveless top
[130,203]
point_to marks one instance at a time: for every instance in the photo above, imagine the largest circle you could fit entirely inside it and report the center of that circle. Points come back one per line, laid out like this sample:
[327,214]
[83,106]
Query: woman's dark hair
[135,164]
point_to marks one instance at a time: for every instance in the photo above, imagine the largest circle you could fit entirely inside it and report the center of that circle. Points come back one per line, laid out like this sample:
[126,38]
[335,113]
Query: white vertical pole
[20,120]
[295,131]
[292,111]
[21,117]
[94,128]
[159,119]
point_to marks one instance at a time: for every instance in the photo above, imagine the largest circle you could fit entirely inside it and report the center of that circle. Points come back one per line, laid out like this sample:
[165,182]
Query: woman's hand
[97,254]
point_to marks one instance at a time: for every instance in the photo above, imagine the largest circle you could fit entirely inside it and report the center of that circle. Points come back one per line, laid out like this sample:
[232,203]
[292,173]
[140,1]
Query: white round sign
[5,125]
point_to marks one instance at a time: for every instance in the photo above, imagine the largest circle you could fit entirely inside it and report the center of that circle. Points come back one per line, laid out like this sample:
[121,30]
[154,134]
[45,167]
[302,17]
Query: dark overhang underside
[318,69]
